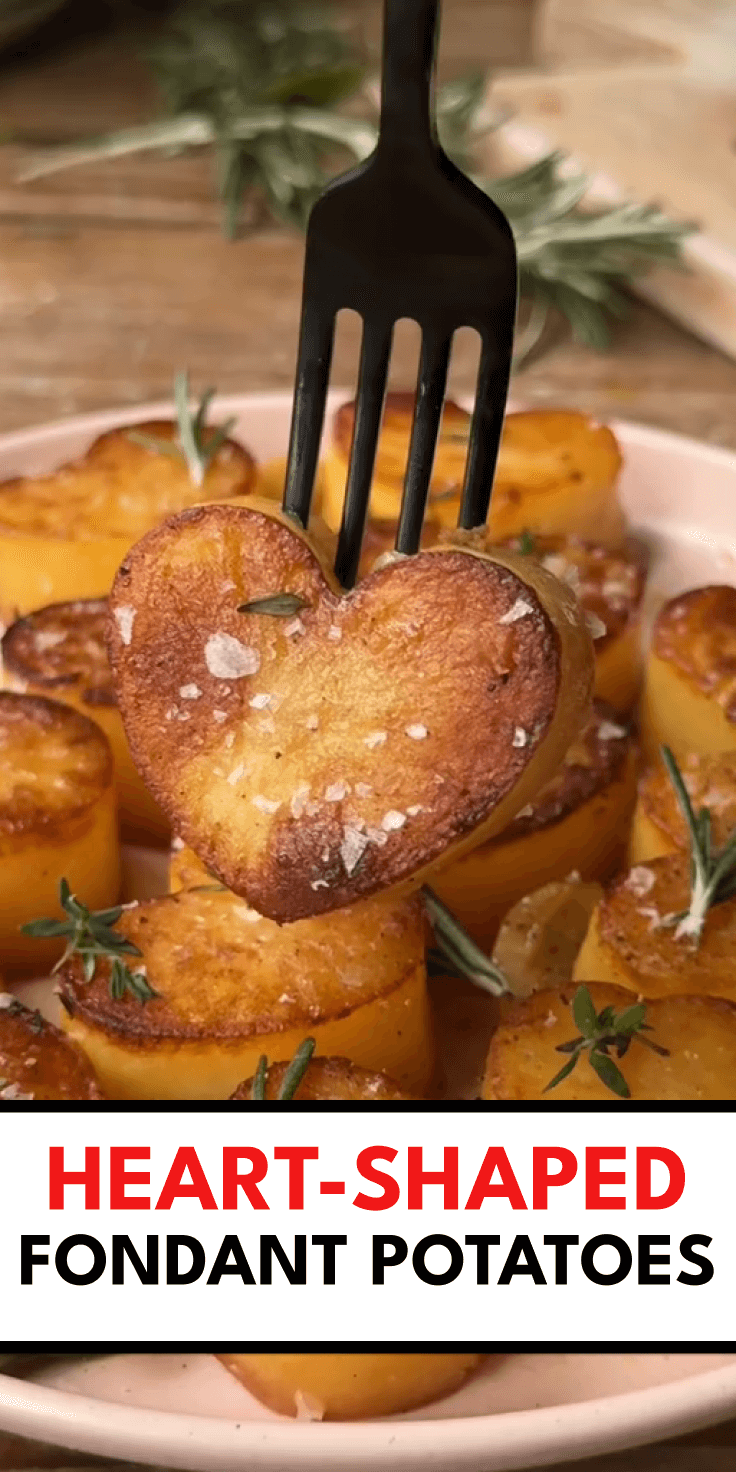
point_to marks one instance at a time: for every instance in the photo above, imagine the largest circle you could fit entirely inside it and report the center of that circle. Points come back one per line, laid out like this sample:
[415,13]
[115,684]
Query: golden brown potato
[628,945]
[689,698]
[186,871]
[60,651]
[609,585]
[57,818]
[328,1078]
[539,938]
[36,1061]
[393,448]
[232,986]
[699,1032]
[348,1387]
[658,826]
[64,535]
[580,819]
[556,471]
[316,758]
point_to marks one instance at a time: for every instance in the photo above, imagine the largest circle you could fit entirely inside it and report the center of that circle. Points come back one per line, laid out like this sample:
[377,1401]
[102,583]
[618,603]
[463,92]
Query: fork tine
[427,415]
[316,337]
[374,357]
[485,435]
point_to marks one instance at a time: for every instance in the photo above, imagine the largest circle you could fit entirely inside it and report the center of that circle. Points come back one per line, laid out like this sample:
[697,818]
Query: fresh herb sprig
[90,935]
[601,1034]
[458,950]
[266,85]
[195,442]
[292,1078]
[279,605]
[713,871]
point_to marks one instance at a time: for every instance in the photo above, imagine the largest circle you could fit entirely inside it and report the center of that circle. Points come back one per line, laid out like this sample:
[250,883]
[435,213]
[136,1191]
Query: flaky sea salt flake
[520,609]
[228,659]
[124,618]
[265,804]
[639,880]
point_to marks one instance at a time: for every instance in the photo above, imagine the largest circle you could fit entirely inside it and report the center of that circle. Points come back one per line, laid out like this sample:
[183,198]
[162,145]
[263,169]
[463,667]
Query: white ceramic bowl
[529,1410]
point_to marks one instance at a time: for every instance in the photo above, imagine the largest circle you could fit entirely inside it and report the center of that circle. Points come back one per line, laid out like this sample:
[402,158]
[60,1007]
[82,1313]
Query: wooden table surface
[113,277]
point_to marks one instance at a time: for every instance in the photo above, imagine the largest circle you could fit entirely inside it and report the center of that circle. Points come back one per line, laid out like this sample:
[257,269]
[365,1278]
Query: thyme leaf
[599,1035]
[90,934]
[279,605]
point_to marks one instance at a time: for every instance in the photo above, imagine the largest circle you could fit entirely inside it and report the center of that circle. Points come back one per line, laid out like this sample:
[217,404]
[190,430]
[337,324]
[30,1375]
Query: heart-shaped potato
[337,744]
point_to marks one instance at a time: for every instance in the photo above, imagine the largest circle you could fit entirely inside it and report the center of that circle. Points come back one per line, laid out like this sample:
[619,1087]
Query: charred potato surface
[60,651]
[628,944]
[314,759]
[36,1061]
[232,985]
[689,697]
[64,535]
[658,826]
[579,820]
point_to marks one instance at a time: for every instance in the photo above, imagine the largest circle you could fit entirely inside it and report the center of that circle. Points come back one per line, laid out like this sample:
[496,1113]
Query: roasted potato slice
[232,986]
[658,826]
[186,871]
[64,535]
[36,1061]
[60,651]
[540,937]
[628,944]
[57,818]
[328,1078]
[316,758]
[348,1387]
[609,585]
[699,1033]
[556,471]
[689,697]
[580,819]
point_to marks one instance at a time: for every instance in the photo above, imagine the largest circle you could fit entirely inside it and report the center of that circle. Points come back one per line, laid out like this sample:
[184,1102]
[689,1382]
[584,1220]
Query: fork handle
[409,44]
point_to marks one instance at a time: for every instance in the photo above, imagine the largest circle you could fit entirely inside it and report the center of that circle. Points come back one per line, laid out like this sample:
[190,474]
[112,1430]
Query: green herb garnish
[265,86]
[603,1033]
[279,605]
[293,1076]
[456,949]
[90,935]
[527,544]
[195,443]
[713,871]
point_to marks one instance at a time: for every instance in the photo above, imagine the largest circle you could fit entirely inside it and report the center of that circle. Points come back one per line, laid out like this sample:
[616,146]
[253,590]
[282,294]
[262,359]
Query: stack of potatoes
[230,984]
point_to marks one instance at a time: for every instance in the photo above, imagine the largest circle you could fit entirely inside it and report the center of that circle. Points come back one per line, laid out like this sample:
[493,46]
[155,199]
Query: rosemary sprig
[195,446]
[90,935]
[279,605]
[712,871]
[603,1033]
[458,950]
[293,1076]
[265,85]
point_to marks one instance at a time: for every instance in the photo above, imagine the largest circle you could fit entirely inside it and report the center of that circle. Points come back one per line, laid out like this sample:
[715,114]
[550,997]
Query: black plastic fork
[405,234]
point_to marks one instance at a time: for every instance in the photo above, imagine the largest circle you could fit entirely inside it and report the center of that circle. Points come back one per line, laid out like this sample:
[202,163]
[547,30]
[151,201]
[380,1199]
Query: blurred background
[157,162]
